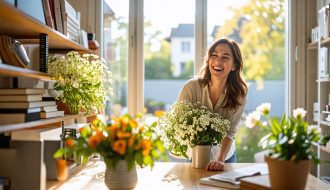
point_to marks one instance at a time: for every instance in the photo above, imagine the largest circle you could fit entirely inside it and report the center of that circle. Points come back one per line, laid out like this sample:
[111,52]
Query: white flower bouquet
[188,125]
[82,81]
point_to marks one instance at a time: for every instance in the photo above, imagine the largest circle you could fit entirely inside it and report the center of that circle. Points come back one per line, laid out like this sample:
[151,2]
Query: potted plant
[187,125]
[122,143]
[289,144]
[82,81]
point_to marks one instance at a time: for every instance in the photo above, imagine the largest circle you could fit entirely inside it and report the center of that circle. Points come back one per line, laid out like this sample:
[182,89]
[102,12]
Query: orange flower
[119,146]
[113,127]
[131,140]
[138,146]
[159,113]
[146,146]
[69,142]
[95,140]
[141,129]
[122,135]
[124,122]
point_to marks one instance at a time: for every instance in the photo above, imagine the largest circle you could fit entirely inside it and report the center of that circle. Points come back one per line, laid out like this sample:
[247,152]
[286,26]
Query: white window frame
[136,58]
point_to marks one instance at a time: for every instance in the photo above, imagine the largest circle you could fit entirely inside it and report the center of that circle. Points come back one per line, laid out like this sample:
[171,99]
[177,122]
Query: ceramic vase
[120,177]
[201,156]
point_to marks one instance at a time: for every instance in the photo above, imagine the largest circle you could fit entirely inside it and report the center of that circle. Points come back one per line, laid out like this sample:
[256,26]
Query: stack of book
[19,105]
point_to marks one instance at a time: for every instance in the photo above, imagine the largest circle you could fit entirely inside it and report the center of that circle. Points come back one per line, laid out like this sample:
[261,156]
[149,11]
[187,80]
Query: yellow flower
[133,123]
[159,113]
[119,146]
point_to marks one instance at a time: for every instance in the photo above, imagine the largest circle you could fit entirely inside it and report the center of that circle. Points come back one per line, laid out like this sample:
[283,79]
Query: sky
[166,14]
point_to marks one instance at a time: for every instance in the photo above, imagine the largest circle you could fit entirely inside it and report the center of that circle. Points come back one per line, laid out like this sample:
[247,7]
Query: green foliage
[247,140]
[82,81]
[289,138]
[188,71]
[124,138]
[263,38]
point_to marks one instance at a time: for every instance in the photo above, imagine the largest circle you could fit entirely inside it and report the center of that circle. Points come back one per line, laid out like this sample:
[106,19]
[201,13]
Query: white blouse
[193,92]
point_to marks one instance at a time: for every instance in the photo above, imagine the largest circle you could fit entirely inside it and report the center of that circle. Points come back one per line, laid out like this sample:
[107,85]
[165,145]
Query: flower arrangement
[187,125]
[288,139]
[82,81]
[124,138]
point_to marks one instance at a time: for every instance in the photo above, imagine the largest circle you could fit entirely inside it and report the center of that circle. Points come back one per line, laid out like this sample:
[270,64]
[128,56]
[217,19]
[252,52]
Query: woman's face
[221,62]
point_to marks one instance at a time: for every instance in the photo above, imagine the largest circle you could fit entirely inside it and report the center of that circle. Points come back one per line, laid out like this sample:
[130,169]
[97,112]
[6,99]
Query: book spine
[43,53]
[48,14]
[58,16]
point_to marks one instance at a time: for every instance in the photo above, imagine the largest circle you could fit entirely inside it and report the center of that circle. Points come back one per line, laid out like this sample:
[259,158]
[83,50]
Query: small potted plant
[187,125]
[82,81]
[122,143]
[289,144]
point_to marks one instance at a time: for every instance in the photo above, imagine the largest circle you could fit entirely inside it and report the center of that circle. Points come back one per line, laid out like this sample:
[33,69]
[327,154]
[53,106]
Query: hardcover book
[13,91]
[26,105]
[45,115]
[30,110]
[21,98]
[11,118]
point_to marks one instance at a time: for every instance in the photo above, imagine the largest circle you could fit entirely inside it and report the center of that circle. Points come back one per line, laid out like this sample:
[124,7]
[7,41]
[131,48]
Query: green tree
[263,38]
[158,64]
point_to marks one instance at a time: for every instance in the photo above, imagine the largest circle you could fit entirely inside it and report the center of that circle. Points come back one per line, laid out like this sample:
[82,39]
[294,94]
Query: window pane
[169,50]
[116,53]
[258,27]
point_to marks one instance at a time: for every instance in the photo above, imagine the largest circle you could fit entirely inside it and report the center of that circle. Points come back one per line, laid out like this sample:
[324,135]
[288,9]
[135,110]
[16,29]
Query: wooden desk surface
[164,175]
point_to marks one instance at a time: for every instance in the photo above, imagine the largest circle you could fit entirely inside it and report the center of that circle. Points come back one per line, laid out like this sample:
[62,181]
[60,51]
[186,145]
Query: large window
[170,52]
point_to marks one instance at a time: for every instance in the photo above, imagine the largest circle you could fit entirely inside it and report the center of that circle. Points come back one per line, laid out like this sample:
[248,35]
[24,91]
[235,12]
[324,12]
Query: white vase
[119,177]
[201,156]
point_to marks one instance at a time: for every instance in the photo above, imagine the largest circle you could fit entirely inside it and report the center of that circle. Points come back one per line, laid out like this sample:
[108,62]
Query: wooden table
[164,175]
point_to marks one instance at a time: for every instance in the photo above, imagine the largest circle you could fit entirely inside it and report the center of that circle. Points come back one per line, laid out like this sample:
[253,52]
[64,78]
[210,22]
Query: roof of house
[183,30]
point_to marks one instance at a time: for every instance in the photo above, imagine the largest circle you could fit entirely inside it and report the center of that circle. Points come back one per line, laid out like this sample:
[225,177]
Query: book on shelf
[255,183]
[12,118]
[9,54]
[13,91]
[45,115]
[21,98]
[58,16]
[43,53]
[48,13]
[29,110]
[49,108]
[25,105]
[232,178]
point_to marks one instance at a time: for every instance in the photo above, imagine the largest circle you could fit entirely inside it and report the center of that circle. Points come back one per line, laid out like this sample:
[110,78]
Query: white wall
[177,56]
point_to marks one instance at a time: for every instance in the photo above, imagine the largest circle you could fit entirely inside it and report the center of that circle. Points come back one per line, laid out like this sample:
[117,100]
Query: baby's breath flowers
[288,139]
[187,125]
[82,81]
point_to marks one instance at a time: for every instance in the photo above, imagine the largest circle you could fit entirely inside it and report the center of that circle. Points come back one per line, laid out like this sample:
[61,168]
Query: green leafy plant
[124,138]
[82,81]
[188,125]
[289,138]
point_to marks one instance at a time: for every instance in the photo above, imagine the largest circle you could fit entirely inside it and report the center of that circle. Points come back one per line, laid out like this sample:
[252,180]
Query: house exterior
[182,47]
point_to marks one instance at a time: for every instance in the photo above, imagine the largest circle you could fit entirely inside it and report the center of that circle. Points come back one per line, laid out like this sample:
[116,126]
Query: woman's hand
[215,166]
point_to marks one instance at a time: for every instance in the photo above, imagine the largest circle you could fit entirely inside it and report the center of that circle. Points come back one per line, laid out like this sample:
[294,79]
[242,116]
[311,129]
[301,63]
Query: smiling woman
[222,90]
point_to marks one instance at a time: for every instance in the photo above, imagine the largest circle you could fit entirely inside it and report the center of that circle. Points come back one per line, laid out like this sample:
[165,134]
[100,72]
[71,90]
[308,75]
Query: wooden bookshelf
[13,71]
[42,122]
[15,23]
[312,46]
[325,42]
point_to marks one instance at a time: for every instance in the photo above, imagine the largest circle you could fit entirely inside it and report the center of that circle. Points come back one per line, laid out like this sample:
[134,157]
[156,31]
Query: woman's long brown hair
[236,88]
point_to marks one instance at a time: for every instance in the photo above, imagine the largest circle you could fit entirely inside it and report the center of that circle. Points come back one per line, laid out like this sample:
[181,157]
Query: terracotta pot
[201,156]
[63,107]
[120,177]
[286,174]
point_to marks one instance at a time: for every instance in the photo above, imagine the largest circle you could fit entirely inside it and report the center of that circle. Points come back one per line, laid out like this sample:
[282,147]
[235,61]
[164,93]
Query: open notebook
[231,179]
